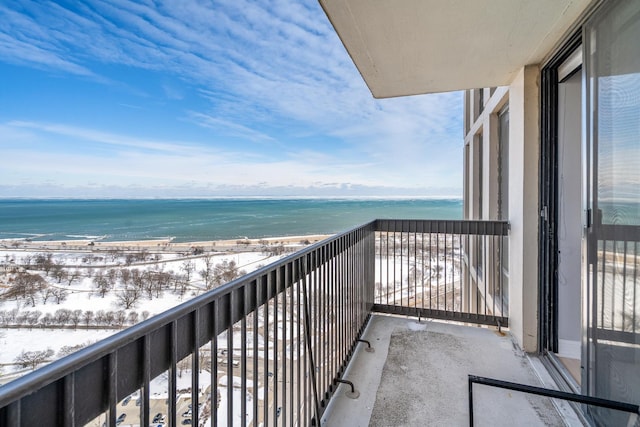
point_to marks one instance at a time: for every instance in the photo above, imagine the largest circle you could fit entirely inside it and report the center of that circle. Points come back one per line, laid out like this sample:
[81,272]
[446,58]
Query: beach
[162,245]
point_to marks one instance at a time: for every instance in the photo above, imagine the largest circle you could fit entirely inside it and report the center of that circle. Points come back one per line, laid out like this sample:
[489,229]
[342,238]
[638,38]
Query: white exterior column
[524,142]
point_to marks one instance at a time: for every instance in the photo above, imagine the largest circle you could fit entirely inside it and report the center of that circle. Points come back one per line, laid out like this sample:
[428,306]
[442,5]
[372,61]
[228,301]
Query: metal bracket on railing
[353,394]
[369,349]
[500,328]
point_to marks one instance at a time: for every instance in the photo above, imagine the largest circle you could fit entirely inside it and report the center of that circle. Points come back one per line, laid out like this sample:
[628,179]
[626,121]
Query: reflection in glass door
[612,341]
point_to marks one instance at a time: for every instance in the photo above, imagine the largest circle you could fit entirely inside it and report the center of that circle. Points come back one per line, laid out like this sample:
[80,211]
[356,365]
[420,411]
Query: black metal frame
[548,247]
[540,391]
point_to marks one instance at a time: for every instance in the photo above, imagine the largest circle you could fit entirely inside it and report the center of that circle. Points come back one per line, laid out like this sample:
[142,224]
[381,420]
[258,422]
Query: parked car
[159,418]
[187,413]
[120,419]
[186,422]
[126,400]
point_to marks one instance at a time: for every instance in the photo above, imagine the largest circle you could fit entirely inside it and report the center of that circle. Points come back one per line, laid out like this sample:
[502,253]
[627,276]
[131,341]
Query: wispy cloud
[267,72]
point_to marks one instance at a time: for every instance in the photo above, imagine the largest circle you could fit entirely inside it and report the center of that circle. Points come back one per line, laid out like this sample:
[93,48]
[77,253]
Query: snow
[82,295]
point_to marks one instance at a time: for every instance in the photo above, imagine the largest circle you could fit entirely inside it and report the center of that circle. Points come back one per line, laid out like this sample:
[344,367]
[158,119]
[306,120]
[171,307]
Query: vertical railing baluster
[430,266]
[243,358]
[69,402]
[68,393]
[291,345]
[634,322]
[415,265]
[393,300]
[14,413]
[214,365]
[146,379]
[113,388]
[602,282]
[386,285]
[257,289]
[624,285]
[422,273]
[173,355]
[322,349]
[195,368]
[285,281]
[266,359]
[276,351]
[446,235]
[485,269]
[230,314]
[296,292]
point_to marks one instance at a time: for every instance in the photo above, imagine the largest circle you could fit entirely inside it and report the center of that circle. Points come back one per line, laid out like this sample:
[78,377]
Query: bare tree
[128,297]
[33,317]
[138,279]
[44,262]
[11,315]
[68,349]
[45,293]
[62,316]
[59,294]
[46,320]
[112,276]
[31,359]
[72,276]
[183,365]
[76,315]
[187,267]
[157,282]
[207,272]
[87,317]
[125,276]
[109,317]
[132,318]
[225,272]
[101,283]
[100,317]
[114,254]
[119,317]
[58,272]
[27,286]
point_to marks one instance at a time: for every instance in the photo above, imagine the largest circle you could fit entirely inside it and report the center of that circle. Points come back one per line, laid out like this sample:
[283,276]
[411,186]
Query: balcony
[289,343]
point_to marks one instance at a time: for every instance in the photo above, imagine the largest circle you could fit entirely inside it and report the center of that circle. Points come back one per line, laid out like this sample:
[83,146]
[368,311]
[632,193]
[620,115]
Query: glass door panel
[612,56]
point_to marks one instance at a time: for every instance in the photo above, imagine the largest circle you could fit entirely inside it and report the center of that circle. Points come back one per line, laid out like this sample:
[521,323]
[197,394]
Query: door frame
[548,190]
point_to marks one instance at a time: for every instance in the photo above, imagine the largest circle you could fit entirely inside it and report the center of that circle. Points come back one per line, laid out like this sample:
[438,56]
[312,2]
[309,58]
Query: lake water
[204,219]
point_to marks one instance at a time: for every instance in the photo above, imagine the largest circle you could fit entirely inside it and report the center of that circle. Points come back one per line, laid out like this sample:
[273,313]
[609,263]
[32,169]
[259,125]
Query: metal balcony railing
[453,270]
[269,348]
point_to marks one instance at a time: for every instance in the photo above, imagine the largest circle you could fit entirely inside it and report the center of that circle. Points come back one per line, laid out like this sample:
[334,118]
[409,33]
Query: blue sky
[206,98]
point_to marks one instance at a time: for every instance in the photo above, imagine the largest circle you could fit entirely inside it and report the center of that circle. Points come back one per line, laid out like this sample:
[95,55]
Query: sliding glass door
[611,342]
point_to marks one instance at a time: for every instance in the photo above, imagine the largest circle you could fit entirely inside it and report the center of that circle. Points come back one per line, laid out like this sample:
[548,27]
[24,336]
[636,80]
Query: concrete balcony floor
[417,376]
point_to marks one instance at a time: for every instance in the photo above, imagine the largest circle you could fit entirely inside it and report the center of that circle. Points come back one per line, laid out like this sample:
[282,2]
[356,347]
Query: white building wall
[524,143]
[524,136]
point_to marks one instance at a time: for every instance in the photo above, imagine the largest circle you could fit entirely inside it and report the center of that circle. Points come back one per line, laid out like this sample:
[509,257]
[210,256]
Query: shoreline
[155,244]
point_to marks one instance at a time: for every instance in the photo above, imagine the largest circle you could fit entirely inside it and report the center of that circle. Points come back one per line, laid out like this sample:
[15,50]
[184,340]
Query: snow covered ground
[80,295]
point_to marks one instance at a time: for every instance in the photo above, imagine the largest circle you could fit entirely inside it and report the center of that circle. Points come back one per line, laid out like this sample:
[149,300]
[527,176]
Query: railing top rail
[58,369]
[441,226]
